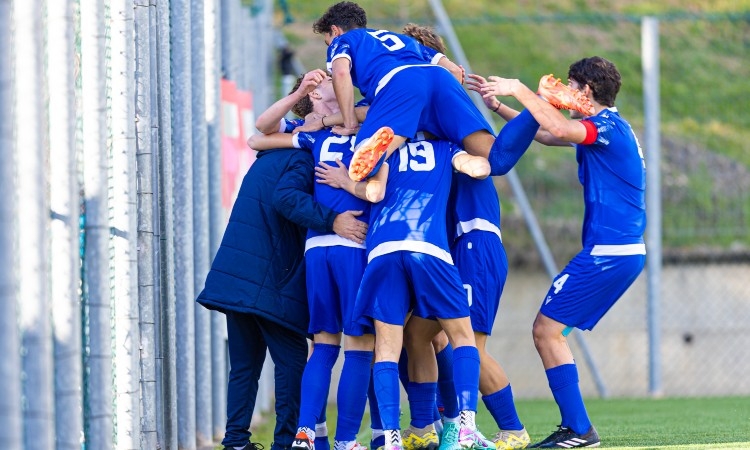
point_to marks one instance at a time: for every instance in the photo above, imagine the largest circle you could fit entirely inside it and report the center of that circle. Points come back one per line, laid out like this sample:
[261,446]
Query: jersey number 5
[389,40]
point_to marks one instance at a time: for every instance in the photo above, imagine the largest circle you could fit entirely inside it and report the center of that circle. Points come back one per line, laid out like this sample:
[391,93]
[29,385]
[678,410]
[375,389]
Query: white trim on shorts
[410,246]
[387,77]
[330,240]
[618,250]
[478,224]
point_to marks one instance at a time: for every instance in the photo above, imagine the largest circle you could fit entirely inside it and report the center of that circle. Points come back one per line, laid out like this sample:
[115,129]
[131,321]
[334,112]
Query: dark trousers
[249,336]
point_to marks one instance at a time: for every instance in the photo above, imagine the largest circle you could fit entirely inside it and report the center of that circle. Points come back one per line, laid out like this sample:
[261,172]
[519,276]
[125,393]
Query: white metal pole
[33,236]
[65,209]
[98,409]
[212,35]
[652,120]
[166,363]
[11,433]
[201,224]
[182,122]
[147,214]
[124,225]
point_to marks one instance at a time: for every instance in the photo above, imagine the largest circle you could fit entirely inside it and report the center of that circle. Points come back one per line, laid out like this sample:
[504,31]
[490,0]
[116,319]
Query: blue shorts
[481,260]
[403,281]
[588,287]
[333,277]
[424,99]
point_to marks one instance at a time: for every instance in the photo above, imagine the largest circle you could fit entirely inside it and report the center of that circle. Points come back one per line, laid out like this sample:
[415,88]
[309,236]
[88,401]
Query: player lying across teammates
[422,282]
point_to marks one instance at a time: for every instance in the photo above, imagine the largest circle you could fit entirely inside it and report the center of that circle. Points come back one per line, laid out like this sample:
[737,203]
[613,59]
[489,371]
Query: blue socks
[352,393]
[563,381]
[386,384]
[466,377]
[316,380]
[421,403]
[500,405]
[446,388]
[512,142]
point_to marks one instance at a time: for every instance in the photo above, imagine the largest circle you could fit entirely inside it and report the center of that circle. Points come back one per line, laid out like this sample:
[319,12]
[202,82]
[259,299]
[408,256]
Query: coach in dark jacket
[258,280]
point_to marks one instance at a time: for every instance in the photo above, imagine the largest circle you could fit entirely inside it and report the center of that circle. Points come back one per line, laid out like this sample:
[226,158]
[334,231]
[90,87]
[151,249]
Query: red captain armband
[591,132]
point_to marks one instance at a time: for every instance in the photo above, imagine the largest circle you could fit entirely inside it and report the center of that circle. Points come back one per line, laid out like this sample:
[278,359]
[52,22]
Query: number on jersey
[388,39]
[325,150]
[418,156]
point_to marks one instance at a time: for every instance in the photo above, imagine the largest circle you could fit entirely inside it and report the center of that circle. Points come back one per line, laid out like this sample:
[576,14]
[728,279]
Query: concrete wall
[705,317]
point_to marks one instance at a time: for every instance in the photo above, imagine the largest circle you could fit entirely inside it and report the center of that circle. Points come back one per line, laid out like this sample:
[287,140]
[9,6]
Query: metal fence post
[650,56]
[124,224]
[147,218]
[212,34]
[201,223]
[166,362]
[11,433]
[183,220]
[65,256]
[33,236]
[98,410]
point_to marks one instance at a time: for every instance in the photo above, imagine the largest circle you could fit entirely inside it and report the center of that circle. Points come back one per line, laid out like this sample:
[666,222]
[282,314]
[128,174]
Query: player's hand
[498,86]
[334,176]
[348,226]
[345,131]
[311,80]
[313,122]
[474,83]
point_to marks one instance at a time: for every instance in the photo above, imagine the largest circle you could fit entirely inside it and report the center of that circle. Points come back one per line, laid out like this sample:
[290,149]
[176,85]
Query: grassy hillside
[705,93]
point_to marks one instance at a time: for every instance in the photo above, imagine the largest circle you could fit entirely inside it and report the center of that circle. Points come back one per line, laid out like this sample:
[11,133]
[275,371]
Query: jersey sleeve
[592,133]
[339,48]
[430,55]
[303,140]
[287,126]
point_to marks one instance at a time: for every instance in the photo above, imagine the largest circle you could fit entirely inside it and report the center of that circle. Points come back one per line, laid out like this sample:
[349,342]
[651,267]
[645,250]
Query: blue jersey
[613,175]
[474,205]
[376,55]
[412,216]
[328,147]
[287,125]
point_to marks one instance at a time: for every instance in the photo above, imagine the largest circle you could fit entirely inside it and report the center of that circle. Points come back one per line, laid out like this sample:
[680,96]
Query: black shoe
[564,437]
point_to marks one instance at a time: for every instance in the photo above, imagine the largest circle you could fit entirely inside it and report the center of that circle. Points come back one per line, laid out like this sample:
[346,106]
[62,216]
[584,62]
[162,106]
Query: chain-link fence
[112,167]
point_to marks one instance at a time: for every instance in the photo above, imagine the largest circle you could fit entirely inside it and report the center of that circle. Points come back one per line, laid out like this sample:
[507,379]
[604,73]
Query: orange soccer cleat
[369,155]
[562,96]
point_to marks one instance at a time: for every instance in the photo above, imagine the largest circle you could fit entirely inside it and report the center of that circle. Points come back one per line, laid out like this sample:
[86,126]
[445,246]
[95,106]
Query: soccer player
[410,268]
[612,172]
[334,268]
[406,94]
[479,255]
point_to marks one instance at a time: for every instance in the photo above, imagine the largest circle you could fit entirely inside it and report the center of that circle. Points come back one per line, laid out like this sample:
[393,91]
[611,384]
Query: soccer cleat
[449,438]
[370,154]
[304,439]
[564,437]
[562,96]
[420,438]
[511,439]
[473,439]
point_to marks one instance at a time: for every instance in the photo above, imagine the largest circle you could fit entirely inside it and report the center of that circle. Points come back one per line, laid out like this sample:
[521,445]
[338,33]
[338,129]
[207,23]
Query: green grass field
[676,423]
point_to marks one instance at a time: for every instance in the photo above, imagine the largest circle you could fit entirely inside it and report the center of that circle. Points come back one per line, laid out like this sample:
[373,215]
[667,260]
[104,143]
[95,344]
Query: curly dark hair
[425,36]
[346,15]
[304,106]
[601,75]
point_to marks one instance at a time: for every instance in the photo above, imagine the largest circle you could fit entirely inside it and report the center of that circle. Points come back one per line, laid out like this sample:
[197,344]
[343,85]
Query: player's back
[327,147]
[613,175]
[412,215]
[376,53]
[474,205]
